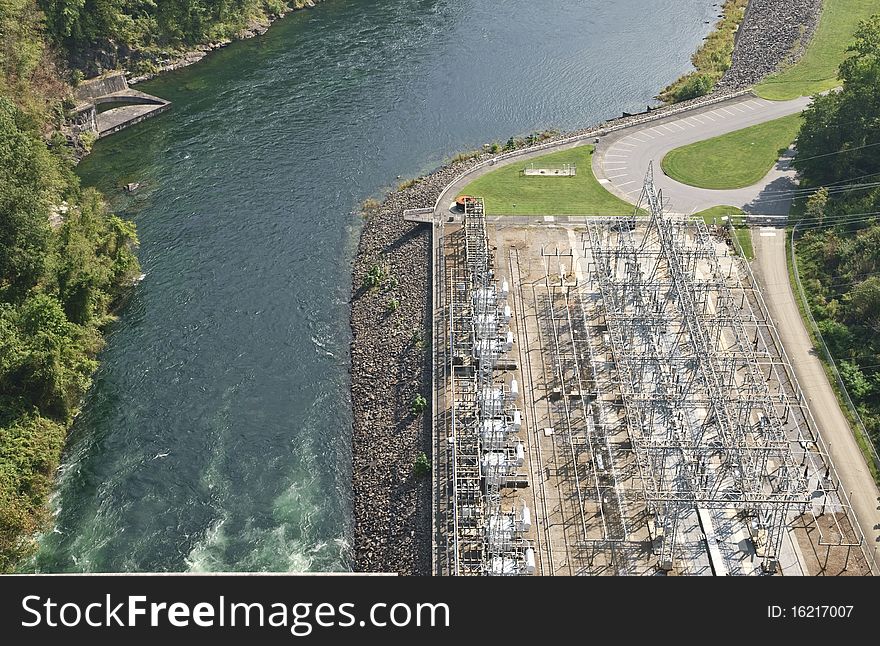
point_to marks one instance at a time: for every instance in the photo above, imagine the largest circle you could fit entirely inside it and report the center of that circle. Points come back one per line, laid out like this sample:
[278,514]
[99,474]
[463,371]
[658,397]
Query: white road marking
[677,125]
[623,144]
[737,108]
[602,180]
[635,190]
[666,127]
[658,132]
[768,234]
[698,120]
[621,175]
[623,156]
[625,183]
[706,114]
[645,132]
[728,112]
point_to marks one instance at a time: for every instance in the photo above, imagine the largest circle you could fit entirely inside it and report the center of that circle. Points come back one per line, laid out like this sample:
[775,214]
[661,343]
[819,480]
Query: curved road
[620,163]
[621,159]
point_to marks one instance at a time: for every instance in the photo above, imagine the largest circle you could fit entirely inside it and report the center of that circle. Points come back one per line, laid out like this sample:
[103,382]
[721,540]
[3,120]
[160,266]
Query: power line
[839,152]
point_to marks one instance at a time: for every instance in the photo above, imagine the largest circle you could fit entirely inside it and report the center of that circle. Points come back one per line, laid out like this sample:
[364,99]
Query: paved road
[771,270]
[622,158]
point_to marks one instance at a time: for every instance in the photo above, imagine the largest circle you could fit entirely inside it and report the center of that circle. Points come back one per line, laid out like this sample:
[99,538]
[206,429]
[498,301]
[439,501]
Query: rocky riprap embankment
[390,365]
[774,33]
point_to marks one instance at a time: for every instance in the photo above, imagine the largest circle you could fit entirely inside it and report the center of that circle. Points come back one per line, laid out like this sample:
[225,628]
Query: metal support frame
[695,372]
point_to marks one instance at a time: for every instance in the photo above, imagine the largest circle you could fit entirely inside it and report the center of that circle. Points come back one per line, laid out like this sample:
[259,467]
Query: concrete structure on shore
[106,105]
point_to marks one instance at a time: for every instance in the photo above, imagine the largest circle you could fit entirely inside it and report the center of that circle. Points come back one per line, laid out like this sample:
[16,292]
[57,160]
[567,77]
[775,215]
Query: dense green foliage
[58,281]
[733,160]
[839,251]
[105,33]
[712,59]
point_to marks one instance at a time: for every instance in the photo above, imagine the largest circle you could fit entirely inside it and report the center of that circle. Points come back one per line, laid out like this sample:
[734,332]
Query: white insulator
[525,523]
[530,560]
[514,389]
[520,454]
[517,421]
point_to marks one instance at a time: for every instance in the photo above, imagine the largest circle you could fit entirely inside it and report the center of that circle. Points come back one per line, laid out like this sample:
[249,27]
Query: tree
[816,204]
[843,123]
[865,302]
[25,170]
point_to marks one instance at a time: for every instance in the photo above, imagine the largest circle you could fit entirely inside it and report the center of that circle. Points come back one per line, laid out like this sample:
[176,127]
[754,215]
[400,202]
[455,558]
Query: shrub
[419,404]
[422,465]
[373,279]
[694,86]
[370,205]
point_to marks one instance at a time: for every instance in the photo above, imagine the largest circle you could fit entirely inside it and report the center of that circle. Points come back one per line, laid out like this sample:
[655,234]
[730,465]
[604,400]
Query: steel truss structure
[488,538]
[711,426]
[672,402]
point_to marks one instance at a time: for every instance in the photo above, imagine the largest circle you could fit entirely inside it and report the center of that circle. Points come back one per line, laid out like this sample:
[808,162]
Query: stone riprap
[773,35]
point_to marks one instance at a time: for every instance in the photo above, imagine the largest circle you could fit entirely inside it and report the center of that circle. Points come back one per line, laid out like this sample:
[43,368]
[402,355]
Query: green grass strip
[817,70]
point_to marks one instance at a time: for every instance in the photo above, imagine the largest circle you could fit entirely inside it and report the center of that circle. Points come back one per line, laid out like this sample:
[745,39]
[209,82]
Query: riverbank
[774,34]
[749,42]
[392,508]
[257,27]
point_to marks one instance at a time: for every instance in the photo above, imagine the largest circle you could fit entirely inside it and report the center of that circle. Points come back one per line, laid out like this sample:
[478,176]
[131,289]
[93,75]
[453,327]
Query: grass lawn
[734,160]
[817,70]
[506,191]
[714,214]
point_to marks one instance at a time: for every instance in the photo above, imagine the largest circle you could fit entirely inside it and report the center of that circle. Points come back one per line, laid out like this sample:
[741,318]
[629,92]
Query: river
[217,433]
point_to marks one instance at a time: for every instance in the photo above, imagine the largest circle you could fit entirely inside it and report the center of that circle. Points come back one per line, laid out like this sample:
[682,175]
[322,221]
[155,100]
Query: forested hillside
[65,262]
[102,34]
[839,253]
